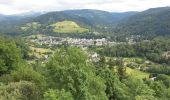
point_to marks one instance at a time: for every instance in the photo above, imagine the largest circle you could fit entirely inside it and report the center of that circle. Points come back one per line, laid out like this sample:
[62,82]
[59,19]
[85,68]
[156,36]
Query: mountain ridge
[152,21]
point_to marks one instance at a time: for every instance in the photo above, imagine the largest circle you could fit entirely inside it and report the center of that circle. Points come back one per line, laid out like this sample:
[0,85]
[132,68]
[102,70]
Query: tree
[9,55]
[115,90]
[102,61]
[24,49]
[165,79]
[111,63]
[121,69]
[168,93]
[26,73]
[57,95]
[22,90]
[159,88]
[70,70]
[139,90]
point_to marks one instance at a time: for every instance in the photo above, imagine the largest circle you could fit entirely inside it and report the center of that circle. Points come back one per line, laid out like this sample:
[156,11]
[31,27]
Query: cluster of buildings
[49,40]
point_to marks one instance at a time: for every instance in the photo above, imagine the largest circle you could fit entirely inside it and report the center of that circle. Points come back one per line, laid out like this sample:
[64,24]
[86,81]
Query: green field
[68,27]
[136,73]
[39,52]
[31,26]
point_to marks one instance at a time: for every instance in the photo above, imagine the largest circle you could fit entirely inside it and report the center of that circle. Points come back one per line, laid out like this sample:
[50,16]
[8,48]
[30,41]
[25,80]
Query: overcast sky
[20,6]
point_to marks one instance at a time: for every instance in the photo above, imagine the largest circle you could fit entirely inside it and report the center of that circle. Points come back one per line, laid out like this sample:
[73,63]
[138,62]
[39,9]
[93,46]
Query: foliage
[121,69]
[70,75]
[153,50]
[22,90]
[138,90]
[165,79]
[57,95]
[115,90]
[33,27]
[26,73]
[136,73]
[159,88]
[25,50]
[9,55]
[68,69]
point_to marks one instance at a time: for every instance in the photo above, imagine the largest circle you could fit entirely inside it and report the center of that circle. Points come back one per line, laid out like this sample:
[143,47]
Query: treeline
[155,50]
[69,75]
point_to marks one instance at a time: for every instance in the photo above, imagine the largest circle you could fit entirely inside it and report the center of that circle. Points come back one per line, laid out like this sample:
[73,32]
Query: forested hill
[85,17]
[11,23]
[53,17]
[100,17]
[155,21]
[152,22]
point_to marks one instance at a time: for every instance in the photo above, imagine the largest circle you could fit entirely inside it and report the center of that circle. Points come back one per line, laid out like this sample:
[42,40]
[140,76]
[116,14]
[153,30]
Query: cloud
[20,6]
[4,9]
[5,1]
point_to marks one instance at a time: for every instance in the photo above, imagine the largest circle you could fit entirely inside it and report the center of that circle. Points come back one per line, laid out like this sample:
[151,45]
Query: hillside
[151,22]
[88,19]
[85,18]
[137,73]
[98,17]
[9,24]
[154,21]
[53,17]
[68,27]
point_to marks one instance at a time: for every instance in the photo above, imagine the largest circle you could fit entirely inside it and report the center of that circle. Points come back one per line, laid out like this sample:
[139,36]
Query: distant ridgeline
[154,21]
[86,20]
[150,22]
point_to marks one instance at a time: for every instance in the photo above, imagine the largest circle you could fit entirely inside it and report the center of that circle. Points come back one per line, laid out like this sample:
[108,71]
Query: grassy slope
[137,73]
[68,27]
[38,52]
[134,72]
[33,25]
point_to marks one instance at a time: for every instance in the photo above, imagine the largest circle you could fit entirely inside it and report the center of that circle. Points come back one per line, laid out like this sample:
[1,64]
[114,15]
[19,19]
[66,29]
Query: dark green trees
[18,81]
[121,69]
[9,55]
[115,90]
[70,70]
[138,90]
[70,75]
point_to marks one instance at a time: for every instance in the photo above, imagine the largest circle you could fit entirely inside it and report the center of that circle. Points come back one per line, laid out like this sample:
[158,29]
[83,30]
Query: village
[79,42]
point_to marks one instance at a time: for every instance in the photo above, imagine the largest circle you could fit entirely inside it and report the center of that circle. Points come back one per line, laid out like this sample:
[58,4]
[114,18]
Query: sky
[9,7]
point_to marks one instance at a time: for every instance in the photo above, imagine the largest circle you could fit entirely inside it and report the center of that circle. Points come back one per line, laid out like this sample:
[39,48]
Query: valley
[86,55]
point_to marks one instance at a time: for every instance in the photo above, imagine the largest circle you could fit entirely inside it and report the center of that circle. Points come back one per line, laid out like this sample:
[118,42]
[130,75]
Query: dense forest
[150,22]
[69,75]
[154,50]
